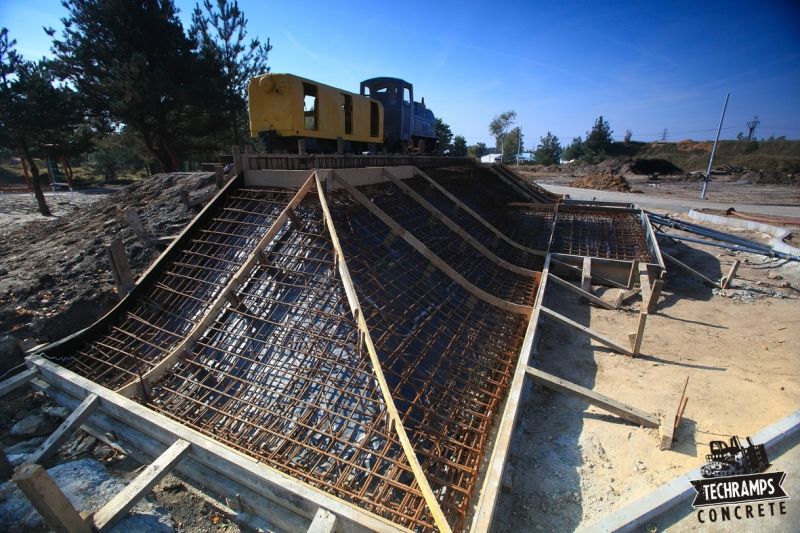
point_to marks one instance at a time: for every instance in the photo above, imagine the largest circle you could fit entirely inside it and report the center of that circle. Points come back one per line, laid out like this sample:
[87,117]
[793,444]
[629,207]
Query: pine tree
[548,152]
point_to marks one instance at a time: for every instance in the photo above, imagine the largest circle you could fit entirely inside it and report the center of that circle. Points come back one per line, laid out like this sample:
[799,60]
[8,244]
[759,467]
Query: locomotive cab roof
[376,84]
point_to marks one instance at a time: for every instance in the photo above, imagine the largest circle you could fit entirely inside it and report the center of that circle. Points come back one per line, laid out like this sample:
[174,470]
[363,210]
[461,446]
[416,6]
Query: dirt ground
[570,463]
[573,463]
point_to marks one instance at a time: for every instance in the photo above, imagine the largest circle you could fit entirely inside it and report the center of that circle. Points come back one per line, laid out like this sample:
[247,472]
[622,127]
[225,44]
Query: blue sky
[644,65]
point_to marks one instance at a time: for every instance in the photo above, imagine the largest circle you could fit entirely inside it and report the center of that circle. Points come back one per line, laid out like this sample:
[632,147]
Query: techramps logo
[735,485]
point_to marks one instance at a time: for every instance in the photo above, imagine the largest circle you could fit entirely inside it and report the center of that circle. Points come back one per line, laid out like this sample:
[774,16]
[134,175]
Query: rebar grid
[447,357]
[489,196]
[283,377]
[448,245]
[183,291]
[474,227]
[598,233]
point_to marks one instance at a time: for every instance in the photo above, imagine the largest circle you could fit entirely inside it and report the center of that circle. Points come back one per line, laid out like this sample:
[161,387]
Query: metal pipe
[734,247]
[714,149]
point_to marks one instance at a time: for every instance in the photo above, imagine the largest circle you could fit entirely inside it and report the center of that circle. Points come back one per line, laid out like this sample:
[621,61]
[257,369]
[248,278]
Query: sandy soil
[573,463]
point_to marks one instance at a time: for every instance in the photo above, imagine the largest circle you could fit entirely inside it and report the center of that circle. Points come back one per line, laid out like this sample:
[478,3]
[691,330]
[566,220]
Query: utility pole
[664,135]
[751,126]
[519,144]
[714,149]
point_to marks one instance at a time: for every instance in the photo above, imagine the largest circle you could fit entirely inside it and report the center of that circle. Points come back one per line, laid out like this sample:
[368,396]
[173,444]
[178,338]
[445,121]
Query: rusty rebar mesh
[490,197]
[450,246]
[598,233]
[539,193]
[283,377]
[447,357]
[473,226]
[179,296]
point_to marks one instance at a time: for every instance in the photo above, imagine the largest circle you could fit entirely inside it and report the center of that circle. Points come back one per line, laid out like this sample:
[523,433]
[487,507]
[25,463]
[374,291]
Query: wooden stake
[590,332]
[324,522]
[5,467]
[623,410]
[219,176]
[17,381]
[48,500]
[132,216]
[586,274]
[731,273]
[669,425]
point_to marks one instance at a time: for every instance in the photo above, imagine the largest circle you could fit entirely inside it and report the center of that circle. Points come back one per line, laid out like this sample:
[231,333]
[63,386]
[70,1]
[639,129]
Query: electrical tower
[664,135]
[751,126]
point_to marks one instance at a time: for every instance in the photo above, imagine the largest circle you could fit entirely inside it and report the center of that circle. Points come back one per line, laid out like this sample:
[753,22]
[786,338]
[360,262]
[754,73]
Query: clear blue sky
[643,65]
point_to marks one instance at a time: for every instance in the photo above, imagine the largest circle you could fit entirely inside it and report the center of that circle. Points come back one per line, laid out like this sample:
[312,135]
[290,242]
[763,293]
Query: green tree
[117,152]
[548,152]
[36,114]
[478,150]
[599,138]
[135,66]
[575,150]
[220,29]
[445,135]
[499,126]
[513,143]
[459,148]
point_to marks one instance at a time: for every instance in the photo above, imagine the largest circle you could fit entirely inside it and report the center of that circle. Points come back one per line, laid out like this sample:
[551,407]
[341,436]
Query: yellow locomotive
[290,113]
[294,114]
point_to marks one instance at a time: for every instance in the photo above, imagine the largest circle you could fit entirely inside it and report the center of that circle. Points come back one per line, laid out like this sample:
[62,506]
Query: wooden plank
[577,290]
[324,522]
[623,410]
[689,269]
[579,271]
[588,331]
[419,475]
[278,487]
[48,500]
[514,185]
[135,222]
[118,506]
[18,380]
[586,274]
[211,313]
[123,278]
[484,511]
[430,255]
[455,228]
[731,273]
[632,275]
[65,430]
[658,285]
[464,207]
[5,467]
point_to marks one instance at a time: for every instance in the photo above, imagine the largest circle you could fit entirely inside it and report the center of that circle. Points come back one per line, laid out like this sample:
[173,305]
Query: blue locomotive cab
[407,125]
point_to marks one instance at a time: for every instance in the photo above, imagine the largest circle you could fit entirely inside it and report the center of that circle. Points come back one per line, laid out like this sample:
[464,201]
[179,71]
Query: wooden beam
[658,285]
[123,278]
[731,273]
[512,183]
[636,338]
[588,331]
[394,415]
[586,274]
[484,511]
[426,252]
[455,228]
[6,470]
[689,269]
[464,207]
[118,506]
[135,222]
[644,285]
[579,271]
[18,380]
[637,416]
[48,500]
[577,290]
[222,298]
[264,480]
[65,430]
[324,522]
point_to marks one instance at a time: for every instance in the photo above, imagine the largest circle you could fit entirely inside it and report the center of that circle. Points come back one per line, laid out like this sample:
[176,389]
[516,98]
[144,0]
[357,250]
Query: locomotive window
[373,119]
[406,96]
[347,108]
[310,106]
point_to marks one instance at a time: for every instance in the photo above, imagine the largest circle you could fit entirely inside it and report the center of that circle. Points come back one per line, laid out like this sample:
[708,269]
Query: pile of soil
[602,182]
[55,276]
[652,166]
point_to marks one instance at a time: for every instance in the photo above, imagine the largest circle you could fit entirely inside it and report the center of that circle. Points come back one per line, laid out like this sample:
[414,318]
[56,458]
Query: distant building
[492,158]
[524,157]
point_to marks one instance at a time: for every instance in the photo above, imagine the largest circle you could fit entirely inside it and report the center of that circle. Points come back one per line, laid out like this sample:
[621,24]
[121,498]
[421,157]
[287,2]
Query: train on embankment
[291,114]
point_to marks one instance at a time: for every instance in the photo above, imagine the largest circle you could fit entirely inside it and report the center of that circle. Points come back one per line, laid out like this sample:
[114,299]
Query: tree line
[129,81]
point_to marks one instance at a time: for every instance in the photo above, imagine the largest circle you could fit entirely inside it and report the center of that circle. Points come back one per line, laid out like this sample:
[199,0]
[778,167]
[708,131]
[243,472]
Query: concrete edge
[679,489]
[732,222]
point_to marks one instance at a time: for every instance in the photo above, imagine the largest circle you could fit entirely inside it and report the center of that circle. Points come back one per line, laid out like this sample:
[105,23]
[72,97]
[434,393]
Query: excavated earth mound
[602,182]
